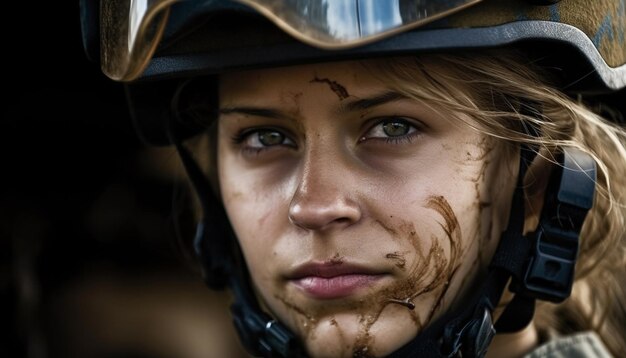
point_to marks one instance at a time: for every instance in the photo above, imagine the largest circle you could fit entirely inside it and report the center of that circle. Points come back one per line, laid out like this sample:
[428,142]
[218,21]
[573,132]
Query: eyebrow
[254,111]
[369,102]
[352,106]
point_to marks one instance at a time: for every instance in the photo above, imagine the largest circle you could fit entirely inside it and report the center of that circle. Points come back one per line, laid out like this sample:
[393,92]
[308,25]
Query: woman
[411,205]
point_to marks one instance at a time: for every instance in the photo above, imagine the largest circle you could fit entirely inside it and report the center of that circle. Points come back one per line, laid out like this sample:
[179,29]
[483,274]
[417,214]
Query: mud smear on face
[431,271]
[398,258]
[339,90]
[292,100]
[453,232]
[308,320]
[486,147]
[482,235]
[336,260]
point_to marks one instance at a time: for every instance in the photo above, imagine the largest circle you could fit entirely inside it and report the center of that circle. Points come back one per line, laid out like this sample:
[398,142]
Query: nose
[322,199]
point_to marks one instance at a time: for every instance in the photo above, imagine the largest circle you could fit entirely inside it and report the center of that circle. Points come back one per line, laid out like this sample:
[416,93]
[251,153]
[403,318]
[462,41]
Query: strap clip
[473,339]
[549,274]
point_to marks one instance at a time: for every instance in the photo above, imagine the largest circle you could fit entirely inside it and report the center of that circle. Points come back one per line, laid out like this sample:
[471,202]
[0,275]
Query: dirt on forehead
[335,86]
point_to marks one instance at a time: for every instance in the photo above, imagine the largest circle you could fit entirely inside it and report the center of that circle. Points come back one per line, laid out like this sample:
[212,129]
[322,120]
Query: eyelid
[370,124]
[244,134]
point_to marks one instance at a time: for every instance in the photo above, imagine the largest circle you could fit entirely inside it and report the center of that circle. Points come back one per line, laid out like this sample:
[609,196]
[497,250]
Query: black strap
[512,254]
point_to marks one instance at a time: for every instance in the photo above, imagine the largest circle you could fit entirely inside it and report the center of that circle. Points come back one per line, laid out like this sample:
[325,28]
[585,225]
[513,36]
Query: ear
[535,184]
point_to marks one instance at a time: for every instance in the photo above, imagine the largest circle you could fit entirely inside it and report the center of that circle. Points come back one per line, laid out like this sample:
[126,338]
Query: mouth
[332,280]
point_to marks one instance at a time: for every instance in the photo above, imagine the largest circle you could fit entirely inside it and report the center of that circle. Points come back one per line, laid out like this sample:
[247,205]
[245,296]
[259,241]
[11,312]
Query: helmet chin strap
[539,266]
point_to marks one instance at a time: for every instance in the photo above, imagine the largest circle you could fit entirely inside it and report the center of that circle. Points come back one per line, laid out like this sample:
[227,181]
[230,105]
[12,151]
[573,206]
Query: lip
[333,280]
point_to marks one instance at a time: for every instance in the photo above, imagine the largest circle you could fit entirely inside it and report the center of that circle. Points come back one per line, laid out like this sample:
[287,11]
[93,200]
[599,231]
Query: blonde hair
[506,94]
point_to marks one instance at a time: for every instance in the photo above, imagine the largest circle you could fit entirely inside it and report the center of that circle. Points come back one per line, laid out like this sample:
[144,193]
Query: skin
[422,210]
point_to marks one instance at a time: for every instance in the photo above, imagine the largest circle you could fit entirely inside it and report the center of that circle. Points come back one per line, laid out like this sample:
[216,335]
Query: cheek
[253,210]
[258,213]
[495,189]
[475,187]
[247,199]
[486,208]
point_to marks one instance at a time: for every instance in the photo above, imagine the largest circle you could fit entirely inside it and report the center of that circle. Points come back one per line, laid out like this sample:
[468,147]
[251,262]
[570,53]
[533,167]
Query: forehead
[352,76]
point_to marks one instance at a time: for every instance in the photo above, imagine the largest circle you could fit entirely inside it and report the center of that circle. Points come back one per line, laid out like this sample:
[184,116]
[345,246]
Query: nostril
[321,215]
[342,220]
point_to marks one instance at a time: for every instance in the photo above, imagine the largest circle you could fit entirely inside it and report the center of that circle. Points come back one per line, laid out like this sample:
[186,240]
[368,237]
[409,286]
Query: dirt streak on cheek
[481,236]
[486,148]
[453,231]
[429,272]
[399,259]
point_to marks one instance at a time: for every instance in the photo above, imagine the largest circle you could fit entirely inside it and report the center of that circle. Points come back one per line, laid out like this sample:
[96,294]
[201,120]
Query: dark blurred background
[88,254]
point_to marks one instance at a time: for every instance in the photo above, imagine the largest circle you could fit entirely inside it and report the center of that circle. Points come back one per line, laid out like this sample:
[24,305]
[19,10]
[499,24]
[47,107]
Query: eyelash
[415,129]
[241,136]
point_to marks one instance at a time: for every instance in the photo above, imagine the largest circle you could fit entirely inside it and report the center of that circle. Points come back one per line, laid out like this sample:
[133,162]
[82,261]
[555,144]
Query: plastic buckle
[549,274]
[473,339]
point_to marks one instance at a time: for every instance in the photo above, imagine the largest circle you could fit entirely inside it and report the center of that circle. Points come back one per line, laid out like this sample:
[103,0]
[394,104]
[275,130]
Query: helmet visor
[131,29]
[348,23]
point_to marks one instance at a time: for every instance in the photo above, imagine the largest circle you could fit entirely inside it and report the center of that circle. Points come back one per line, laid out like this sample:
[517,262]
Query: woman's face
[362,214]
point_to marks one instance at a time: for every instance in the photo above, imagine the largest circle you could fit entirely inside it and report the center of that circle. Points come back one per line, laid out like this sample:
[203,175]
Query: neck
[515,344]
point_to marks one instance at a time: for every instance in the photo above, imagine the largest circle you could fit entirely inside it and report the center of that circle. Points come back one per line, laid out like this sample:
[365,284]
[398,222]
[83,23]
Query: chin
[359,335]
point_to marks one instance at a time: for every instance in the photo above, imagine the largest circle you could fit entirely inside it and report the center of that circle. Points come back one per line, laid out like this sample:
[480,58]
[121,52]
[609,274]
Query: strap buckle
[549,274]
[473,339]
